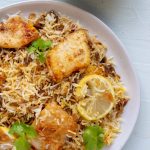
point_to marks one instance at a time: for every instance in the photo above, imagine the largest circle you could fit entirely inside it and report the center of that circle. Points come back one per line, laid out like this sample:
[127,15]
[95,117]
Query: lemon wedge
[96,97]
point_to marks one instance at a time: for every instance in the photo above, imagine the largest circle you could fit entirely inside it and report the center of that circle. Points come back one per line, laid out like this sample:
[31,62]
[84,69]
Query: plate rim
[123,48]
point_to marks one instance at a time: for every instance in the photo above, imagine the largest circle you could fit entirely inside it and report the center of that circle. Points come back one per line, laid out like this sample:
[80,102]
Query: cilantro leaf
[41,57]
[30,132]
[21,129]
[47,44]
[36,43]
[43,45]
[38,47]
[22,144]
[31,49]
[17,128]
[23,133]
[93,138]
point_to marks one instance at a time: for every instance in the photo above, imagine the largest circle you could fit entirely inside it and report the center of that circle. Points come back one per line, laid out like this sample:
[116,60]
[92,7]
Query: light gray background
[130,20]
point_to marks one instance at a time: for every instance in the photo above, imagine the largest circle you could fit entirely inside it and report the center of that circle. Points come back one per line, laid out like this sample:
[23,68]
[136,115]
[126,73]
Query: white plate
[115,48]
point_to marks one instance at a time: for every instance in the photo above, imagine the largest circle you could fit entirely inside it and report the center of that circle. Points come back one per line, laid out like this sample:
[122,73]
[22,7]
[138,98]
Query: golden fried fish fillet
[69,56]
[16,33]
[52,125]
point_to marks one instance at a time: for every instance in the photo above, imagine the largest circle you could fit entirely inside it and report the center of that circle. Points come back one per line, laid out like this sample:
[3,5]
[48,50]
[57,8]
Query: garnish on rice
[73,101]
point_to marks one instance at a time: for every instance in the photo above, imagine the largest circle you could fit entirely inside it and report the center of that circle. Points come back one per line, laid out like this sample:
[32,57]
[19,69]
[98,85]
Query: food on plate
[58,88]
[53,126]
[93,137]
[96,97]
[38,47]
[69,56]
[16,33]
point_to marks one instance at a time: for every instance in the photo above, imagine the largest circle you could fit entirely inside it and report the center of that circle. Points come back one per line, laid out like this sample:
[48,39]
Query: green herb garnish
[23,132]
[39,47]
[22,144]
[93,138]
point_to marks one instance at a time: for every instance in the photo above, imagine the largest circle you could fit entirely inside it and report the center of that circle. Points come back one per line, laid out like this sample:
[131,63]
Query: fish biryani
[58,89]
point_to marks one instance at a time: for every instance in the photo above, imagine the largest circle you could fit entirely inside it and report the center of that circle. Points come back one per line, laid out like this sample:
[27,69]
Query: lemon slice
[96,97]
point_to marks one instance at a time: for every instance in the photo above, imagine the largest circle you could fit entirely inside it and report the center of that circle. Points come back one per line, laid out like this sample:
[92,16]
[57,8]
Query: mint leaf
[22,144]
[93,138]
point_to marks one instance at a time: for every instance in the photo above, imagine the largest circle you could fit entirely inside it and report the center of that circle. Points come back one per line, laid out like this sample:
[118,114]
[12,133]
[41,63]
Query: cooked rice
[27,87]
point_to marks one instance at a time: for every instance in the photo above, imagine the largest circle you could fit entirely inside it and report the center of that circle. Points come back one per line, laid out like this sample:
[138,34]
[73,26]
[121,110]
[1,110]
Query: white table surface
[130,20]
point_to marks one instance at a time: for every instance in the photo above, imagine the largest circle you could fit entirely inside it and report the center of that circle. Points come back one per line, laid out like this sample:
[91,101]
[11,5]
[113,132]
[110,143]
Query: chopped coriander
[23,132]
[93,138]
[38,47]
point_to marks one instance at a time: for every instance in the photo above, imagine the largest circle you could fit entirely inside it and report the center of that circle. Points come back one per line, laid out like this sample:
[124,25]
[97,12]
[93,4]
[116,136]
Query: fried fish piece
[69,56]
[53,125]
[16,33]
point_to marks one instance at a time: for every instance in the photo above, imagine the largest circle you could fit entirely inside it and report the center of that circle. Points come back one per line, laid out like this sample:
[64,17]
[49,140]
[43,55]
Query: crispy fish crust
[16,33]
[53,125]
[69,56]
